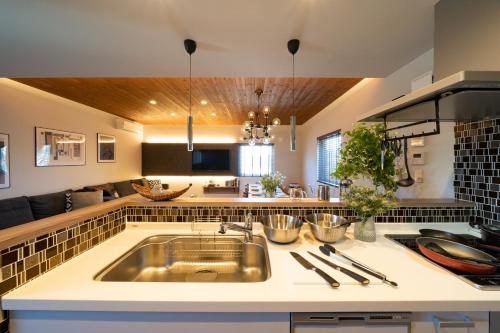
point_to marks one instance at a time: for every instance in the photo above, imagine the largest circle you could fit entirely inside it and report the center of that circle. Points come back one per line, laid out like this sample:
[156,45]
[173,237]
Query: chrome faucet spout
[246,229]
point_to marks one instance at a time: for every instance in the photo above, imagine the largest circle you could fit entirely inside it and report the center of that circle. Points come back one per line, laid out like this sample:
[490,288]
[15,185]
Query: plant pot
[365,231]
[270,194]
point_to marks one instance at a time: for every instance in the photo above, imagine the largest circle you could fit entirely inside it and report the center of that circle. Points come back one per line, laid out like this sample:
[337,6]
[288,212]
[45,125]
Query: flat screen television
[211,160]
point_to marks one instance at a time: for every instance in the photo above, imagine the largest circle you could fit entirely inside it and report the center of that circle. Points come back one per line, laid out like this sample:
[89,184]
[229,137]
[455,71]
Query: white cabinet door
[141,322]
[450,322]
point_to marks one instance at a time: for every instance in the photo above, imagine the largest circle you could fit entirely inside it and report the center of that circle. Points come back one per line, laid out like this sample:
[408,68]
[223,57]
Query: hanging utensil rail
[436,120]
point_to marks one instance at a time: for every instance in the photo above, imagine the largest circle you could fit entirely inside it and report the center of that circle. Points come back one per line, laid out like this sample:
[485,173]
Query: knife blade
[360,278]
[307,265]
[327,249]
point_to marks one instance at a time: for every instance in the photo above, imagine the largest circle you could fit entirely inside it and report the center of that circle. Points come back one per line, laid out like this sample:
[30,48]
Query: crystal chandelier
[255,132]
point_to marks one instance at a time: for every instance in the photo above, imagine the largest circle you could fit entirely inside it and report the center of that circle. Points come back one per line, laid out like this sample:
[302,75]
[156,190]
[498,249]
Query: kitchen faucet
[246,229]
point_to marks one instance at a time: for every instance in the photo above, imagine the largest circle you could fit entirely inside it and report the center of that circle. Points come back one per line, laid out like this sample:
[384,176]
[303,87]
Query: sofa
[20,210]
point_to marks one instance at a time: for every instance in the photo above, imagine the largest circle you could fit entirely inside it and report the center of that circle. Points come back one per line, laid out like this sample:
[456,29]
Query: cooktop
[483,282]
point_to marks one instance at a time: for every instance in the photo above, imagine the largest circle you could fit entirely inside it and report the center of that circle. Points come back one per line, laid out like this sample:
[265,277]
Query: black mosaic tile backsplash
[477,168]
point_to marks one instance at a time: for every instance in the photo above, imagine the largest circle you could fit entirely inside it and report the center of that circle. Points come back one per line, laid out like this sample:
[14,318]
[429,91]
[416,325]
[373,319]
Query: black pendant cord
[190,74]
[293,84]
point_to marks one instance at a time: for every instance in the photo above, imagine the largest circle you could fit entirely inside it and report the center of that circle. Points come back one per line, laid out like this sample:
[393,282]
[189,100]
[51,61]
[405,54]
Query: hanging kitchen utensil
[385,147]
[382,154]
[454,250]
[394,146]
[408,181]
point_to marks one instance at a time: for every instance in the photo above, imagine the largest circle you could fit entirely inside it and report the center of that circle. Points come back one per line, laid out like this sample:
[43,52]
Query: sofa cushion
[139,181]
[15,211]
[84,199]
[47,205]
[108,189]
[124,188]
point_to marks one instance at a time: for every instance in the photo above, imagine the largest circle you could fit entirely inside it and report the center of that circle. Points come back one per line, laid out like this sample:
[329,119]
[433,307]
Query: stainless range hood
[463,96]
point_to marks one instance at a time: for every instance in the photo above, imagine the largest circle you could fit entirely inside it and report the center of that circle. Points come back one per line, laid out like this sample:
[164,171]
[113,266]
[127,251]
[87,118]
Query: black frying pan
[443,235]
[456,238]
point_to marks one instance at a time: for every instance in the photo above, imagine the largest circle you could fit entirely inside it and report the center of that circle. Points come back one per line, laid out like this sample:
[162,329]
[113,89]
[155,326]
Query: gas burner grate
[486,282]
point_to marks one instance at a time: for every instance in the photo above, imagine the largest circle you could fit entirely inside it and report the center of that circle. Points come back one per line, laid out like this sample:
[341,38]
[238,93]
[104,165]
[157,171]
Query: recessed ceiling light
[172,114]
[203,102]
[213,114]
[152,102]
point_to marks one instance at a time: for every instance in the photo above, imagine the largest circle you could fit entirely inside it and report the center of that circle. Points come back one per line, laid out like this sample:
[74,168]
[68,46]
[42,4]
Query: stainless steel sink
[187,258]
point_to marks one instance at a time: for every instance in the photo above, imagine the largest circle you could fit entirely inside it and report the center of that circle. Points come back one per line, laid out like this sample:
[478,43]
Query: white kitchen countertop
[423,286]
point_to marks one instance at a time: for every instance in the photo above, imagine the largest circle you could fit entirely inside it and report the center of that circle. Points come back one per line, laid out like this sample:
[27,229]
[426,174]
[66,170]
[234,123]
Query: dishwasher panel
[351,322]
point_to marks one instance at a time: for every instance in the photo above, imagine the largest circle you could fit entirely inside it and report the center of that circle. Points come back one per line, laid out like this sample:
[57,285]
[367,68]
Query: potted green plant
[271,182]
[361,158]
[367,203]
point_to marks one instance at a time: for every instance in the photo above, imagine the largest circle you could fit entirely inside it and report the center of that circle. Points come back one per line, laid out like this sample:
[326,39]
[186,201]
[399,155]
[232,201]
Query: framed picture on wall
[106,148]
[4,161]
[59,148]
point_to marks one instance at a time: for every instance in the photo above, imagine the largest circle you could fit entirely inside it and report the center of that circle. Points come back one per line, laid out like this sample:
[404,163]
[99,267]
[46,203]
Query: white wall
[288,163]
[23,107]
[370,93]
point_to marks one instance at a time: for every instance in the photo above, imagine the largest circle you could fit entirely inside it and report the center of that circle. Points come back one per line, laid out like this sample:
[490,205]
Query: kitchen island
[69,294]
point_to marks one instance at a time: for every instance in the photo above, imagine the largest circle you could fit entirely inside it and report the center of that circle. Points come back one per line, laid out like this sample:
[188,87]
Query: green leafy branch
[361,157]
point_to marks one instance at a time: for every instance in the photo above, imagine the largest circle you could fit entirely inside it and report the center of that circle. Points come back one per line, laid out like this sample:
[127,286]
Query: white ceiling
[340,38]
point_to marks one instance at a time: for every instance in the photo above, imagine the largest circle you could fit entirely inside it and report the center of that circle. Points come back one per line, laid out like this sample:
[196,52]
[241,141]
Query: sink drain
[203,275]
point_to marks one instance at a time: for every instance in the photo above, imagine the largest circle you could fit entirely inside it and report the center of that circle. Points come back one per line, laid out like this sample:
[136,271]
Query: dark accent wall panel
[173,159]
[477,167]
[165,159]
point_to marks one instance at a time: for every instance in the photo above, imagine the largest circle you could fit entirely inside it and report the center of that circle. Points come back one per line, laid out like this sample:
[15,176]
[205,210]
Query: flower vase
[270,194]
[365,230]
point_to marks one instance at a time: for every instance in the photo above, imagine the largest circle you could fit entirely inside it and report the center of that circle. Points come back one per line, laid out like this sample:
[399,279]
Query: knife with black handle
[327,249]
[307,265]
[360,278]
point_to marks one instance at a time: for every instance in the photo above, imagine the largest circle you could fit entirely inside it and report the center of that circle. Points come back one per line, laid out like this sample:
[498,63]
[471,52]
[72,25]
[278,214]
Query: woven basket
[146,193]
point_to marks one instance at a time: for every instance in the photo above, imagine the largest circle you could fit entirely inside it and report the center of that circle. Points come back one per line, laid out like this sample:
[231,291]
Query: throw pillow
[144,182]
[47,205]
[69,204]
[15,211]
[108,189]
[155,185]
[125,188]
[85,199]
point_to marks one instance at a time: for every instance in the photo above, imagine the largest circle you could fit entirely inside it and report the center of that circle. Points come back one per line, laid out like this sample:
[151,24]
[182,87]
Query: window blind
[328,154]
[256,161]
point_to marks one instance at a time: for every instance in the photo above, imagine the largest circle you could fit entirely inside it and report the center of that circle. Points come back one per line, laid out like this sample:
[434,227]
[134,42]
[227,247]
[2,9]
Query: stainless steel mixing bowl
[281,228]
[327,228]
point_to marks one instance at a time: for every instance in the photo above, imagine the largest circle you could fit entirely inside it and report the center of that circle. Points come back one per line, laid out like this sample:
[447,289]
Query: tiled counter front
[152,213]
[27,260]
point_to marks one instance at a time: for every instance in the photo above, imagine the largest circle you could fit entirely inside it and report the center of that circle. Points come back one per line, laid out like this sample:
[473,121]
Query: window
[328,153]
[256,161]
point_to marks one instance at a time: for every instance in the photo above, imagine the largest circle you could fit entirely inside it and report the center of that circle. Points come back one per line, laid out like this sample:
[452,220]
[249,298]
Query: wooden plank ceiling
[229,98]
